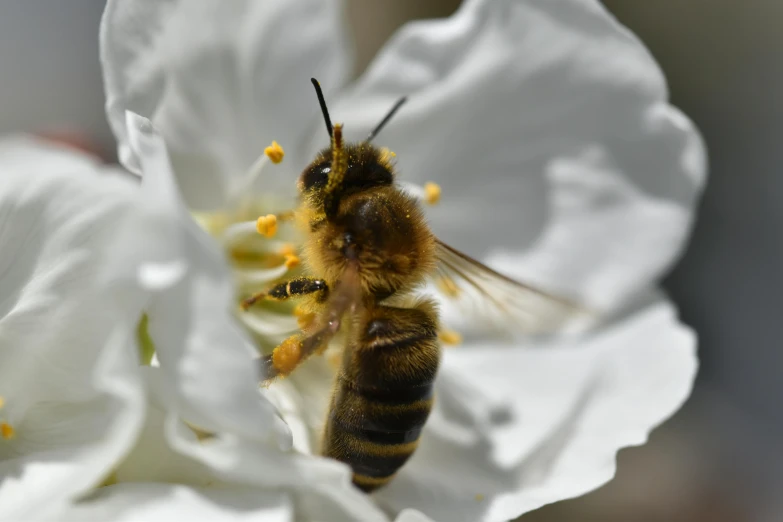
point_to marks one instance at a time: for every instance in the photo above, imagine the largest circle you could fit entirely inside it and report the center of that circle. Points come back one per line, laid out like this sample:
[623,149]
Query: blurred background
[720,459]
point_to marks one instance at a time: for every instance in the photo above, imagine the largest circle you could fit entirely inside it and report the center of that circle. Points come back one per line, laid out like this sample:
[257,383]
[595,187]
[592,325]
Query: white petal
[67,366]
[150,502]
[513,430]
[220,80]
[207,359]
[548,127]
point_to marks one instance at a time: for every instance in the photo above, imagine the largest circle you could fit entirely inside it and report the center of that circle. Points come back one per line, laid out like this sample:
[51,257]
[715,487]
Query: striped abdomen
[383,393]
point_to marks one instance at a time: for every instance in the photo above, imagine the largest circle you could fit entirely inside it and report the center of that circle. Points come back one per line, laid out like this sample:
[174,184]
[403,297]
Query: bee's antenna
[322,103]
[386,118]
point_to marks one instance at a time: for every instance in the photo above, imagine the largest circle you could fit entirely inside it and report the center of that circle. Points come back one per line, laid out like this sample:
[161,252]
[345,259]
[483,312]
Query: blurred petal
[549,426]
[67,365]
[153,502]
[220,80]
[551,121]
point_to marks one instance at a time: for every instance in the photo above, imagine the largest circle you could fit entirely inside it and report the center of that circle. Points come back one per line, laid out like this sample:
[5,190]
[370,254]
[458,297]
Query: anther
[274,152]
[291,261]
[7,431]
[2,403]
[267,225]
[450,337]
[432,193]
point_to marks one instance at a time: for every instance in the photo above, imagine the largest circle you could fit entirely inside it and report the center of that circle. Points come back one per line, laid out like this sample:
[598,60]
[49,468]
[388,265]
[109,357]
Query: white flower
[562,164]
[89,253]
[71,401]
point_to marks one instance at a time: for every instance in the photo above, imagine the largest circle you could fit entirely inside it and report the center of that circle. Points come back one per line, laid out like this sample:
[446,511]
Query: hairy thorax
[382,230]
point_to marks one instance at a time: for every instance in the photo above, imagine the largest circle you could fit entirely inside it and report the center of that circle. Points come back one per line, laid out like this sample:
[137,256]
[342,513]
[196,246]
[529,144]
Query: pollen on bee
[386,155]
[7,431]
[267,225]
[432,193]
[286,356]
[292,261]
[274,152]
[304,320]
[450,337]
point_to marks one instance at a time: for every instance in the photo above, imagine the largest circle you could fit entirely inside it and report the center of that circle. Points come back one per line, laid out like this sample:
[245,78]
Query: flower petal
[220,81]
[164,502]
[208,361]
[67,368]
[549,426]
[552,121]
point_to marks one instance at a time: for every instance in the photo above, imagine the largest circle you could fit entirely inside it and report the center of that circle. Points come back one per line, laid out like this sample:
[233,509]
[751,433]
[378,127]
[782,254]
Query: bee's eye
[316,175]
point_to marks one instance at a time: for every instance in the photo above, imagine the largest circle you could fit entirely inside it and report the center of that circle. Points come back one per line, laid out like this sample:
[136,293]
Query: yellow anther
[432,193]
[292,261]
[7,431]
[2,402]
[274,152]
[450,337]
[287,250]
[286,356]
[267,225]
[479,497]
[448,287]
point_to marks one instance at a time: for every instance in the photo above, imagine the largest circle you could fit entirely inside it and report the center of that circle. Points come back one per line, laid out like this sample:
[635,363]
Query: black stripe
[389,395]
[383,437]
[375,466]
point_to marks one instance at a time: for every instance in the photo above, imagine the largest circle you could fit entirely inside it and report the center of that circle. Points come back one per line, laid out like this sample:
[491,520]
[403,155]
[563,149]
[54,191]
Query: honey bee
[368,248]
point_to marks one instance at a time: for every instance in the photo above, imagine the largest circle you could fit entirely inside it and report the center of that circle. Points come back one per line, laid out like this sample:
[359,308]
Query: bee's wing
[508,305]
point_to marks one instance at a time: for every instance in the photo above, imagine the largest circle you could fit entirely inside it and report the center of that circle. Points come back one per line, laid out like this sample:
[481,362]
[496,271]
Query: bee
[368,248]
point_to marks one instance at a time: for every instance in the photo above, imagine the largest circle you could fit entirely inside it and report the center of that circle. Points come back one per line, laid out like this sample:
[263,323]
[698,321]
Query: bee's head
[368,167]
[343,169]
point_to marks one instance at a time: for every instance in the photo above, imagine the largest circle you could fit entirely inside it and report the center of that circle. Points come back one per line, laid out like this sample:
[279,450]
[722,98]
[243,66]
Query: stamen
[274,152]
[286,356]
[292,261]
[7,431]
[479,497]
[267,225]
[2,403]
[450,337]
[432,193]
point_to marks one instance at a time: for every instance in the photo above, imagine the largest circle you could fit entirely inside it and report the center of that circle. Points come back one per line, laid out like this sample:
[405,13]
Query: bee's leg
[293,351]
[292,288]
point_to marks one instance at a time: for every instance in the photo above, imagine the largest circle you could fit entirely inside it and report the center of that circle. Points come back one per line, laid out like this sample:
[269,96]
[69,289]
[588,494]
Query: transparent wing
[491,299]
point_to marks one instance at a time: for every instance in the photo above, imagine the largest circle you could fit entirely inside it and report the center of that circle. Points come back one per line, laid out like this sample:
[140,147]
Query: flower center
[261,251]
[6,430]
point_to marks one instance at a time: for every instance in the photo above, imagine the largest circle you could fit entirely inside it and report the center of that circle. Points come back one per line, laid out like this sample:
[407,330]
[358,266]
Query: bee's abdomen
[384,393]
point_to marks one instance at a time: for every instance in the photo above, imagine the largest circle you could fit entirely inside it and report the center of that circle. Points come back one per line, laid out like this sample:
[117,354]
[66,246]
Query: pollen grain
[267,225]
[432,192]
[274,152]
[7,431]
